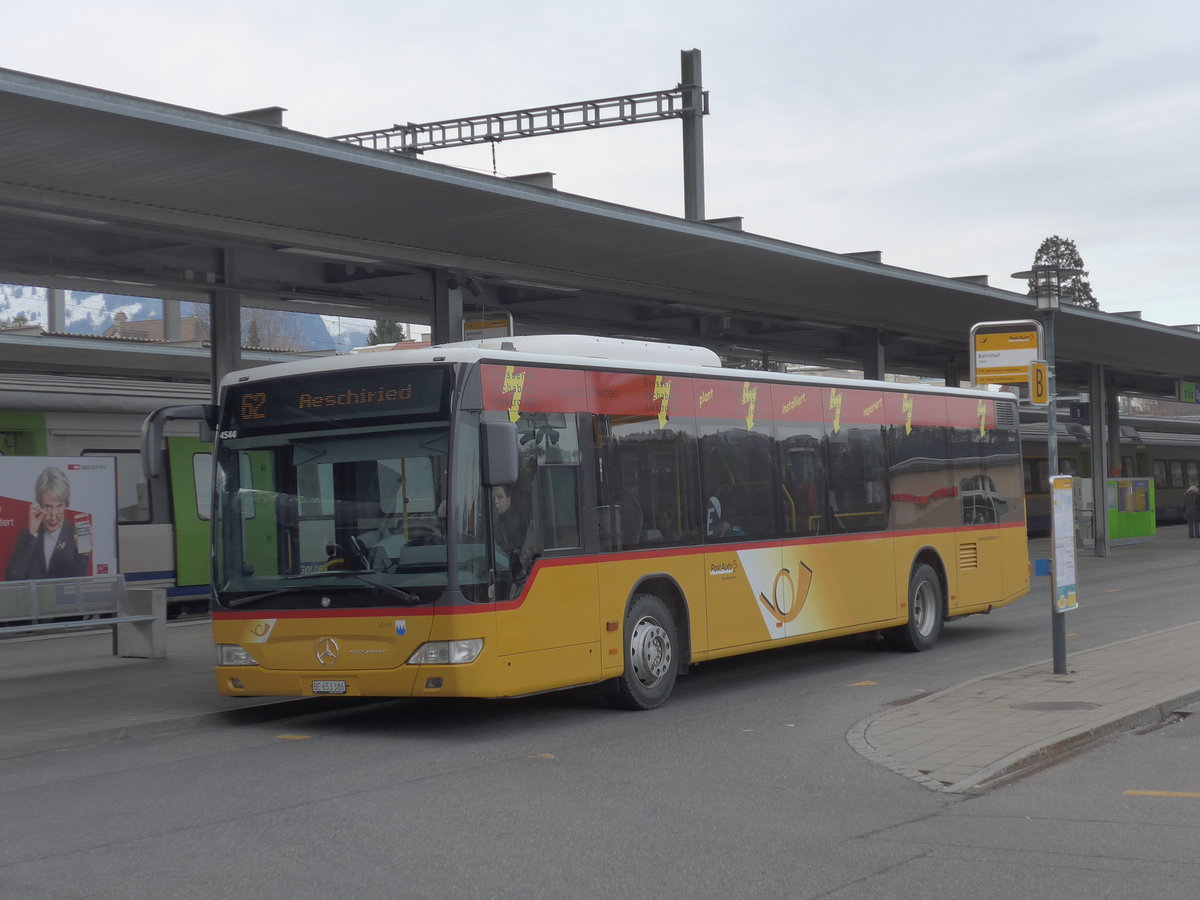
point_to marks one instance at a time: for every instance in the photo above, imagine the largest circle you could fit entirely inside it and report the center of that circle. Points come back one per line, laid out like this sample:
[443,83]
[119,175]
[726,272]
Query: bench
[137,616]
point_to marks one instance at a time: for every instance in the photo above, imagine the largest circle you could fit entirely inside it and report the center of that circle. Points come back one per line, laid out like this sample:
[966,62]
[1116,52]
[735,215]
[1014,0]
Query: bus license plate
[329,687]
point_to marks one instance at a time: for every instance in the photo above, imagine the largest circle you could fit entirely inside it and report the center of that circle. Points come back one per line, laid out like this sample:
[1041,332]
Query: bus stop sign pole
[1063,592]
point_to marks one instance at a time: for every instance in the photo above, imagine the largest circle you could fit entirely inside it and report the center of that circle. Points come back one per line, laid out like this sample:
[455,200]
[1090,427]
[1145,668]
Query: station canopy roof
[112,193]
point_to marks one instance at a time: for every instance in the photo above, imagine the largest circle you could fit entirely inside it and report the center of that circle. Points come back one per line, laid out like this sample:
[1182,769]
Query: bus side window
[646,481]
[858,479]
[557,447]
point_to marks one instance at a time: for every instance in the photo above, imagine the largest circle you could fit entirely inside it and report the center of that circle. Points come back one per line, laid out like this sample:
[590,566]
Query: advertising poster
[58,517]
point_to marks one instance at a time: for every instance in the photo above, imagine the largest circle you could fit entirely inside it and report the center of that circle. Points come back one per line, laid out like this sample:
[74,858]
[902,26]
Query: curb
[1026,758]
[1013,764]
[268,711]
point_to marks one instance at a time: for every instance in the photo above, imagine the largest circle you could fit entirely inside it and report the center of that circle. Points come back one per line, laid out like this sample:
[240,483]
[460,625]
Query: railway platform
[69,691]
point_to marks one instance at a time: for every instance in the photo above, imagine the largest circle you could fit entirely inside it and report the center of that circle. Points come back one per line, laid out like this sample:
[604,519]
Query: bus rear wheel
[650,648]
[925,601]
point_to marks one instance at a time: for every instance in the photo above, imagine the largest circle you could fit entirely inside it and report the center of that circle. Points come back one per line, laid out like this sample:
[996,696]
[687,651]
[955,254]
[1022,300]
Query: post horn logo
[787,594]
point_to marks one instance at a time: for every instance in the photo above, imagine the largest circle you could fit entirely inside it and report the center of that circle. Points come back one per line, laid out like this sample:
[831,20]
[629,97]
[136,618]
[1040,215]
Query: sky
[952,136]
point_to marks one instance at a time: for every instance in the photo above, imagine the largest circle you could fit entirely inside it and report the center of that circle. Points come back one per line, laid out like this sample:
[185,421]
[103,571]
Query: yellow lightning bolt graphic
[662,391]
[749,397]
[982,410]
[515,384]
[907,406]
[835,403]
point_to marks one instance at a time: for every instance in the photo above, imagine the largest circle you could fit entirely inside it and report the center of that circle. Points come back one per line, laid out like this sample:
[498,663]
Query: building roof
[104,191]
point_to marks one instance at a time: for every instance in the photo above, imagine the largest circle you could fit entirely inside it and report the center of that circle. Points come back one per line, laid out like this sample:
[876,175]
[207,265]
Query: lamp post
[1047,289]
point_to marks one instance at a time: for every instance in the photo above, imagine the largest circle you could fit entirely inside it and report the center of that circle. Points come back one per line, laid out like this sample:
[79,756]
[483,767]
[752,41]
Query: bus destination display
[335,397]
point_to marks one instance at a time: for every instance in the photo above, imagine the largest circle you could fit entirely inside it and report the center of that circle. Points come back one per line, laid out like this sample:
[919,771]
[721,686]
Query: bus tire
[651,649]
[925,600]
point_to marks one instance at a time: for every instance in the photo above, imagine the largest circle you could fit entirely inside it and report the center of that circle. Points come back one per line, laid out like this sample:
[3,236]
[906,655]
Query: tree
[1061,252]
[253,338]
[386,331]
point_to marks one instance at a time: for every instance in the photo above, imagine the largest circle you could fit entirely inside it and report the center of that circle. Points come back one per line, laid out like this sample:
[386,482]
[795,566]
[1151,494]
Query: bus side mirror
[153,447]
[500,463]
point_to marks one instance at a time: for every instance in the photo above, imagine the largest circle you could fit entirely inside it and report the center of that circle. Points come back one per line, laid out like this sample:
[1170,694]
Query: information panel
[1062,536]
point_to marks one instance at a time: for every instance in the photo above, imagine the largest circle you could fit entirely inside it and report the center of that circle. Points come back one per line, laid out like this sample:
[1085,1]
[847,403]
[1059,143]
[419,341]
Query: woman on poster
[49,546]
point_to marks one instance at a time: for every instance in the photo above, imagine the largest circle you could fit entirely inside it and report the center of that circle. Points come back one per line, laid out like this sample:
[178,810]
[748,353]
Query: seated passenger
[721,524]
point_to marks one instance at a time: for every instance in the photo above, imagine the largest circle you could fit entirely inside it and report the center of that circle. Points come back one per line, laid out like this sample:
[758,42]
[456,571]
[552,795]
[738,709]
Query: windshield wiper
[406,597]
[254,598]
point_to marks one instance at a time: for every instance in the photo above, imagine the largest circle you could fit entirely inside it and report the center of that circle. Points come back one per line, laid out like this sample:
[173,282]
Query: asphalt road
[742,785]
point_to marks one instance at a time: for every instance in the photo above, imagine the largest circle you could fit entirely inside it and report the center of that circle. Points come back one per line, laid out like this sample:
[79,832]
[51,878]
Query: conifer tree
[386,331]
[1061,252]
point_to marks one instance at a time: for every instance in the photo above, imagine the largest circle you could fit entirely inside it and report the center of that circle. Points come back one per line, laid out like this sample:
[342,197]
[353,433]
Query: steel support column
[693,135]
[56,310]
[446,323]
[873,357]
[1098,404]
[172,330]
[225,326]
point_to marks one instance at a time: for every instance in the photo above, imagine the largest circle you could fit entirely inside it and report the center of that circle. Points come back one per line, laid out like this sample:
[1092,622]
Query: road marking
[543,756]
[1190,794]
[292,737]
[862,684]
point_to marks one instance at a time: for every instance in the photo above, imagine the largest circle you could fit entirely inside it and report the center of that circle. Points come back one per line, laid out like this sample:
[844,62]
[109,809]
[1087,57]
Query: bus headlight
[234,655]
[447,652]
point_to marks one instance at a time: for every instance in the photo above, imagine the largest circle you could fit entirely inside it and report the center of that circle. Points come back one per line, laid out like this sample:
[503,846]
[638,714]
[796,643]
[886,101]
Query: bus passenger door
[978,542]
[981,505]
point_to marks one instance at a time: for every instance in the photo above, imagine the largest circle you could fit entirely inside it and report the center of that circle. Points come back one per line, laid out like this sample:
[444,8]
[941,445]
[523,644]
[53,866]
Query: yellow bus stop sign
[1002,351]
[1039,383]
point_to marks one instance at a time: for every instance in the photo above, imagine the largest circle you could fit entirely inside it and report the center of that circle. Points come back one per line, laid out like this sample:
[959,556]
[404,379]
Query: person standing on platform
[1191,510]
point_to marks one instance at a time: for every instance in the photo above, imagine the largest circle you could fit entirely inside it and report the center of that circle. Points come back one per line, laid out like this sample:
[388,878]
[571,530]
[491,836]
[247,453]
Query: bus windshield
[340,517]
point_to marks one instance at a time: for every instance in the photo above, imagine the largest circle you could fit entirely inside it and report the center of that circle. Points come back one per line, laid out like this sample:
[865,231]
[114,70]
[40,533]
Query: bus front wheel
[650,649]
[924,613]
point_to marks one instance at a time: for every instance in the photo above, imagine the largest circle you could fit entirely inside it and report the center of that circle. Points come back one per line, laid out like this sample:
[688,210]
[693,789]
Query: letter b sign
[1039,383]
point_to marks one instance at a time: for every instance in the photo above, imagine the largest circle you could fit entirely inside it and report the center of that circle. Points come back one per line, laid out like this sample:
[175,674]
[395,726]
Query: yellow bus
[506,517]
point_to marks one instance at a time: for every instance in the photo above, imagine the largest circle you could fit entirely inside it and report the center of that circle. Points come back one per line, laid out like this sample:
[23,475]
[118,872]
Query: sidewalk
[69,690]
[65,691]
[989,728]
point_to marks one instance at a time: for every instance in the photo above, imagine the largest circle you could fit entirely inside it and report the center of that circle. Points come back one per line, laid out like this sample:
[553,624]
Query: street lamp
[1047,290]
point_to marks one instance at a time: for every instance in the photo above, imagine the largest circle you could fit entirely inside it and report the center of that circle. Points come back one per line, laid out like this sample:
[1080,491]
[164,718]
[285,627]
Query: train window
[1069,466]
[1035,476]
[1177,473]
[1160,473]
[133,497]
[1193,472]
[1126,466]
[202,479]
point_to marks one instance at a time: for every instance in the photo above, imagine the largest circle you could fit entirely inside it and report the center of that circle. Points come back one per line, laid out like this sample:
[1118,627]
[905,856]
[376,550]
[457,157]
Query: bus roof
[575,351]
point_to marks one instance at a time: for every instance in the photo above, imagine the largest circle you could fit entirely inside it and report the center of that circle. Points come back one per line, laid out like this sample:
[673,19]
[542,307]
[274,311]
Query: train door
[22,434]
[190,467]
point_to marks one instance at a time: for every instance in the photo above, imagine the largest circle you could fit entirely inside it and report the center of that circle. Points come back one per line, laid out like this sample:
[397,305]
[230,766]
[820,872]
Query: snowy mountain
[88,313]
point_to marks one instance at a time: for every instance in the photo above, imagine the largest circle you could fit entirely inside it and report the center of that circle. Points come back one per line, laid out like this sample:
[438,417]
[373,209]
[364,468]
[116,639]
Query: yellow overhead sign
[478,329]
[1003,351]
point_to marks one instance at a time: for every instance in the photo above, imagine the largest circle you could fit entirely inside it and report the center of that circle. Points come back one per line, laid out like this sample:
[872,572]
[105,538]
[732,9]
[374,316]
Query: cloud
[953,136]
